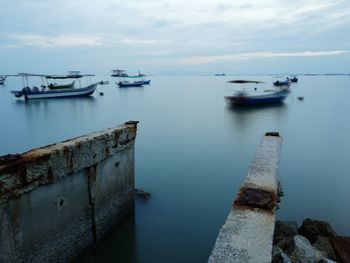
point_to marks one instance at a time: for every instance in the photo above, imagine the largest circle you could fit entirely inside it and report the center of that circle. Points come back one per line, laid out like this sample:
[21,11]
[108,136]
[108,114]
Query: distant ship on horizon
[220,74]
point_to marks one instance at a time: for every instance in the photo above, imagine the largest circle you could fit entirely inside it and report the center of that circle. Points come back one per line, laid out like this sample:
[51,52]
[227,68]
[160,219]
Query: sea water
[193,151]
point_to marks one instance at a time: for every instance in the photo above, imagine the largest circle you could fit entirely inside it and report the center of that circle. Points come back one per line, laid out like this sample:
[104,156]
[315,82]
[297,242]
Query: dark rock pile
[139,192]
[315,242]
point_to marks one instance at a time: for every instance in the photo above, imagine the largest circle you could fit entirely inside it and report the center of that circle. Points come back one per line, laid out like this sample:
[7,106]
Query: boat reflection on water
[56,108]
[78,100]
[257,118]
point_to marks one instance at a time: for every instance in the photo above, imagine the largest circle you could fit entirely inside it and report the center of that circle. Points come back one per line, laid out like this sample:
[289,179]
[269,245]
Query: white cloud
[249,56]
[78,40]
[186,29]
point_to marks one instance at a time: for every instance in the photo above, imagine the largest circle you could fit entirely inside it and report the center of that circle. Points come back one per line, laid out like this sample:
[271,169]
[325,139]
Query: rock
[311,229]
[278,256]
[326,260]
[284,233]
[141,193]
[300,250]
[324,245]
[341,246]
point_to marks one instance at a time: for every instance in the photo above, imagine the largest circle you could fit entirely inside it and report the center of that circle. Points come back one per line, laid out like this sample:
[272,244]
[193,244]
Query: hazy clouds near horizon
[175,36]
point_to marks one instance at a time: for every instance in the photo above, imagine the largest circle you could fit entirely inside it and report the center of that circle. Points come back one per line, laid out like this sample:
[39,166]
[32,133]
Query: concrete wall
[58,200]
[247,234]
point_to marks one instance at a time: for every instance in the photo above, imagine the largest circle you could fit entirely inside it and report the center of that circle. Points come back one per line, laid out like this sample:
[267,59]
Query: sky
[175,37]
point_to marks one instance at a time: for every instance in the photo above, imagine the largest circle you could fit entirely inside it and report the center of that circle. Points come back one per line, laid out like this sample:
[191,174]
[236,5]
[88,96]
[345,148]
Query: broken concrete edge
[247,234]
[259,189]
[21,173]
[250,198]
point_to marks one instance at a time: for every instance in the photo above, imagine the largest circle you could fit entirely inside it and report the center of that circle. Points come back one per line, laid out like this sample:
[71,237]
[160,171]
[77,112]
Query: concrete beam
[247,234]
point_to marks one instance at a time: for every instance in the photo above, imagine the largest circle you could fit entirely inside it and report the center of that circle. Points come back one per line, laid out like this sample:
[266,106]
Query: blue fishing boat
[285,82]
[129,84]
[253,95]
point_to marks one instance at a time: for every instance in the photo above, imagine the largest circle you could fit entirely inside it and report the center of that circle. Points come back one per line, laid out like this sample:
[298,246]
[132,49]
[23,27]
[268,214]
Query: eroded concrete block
[60,199]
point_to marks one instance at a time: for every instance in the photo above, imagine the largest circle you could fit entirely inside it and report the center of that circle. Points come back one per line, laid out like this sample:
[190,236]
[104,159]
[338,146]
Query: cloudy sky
[175,37]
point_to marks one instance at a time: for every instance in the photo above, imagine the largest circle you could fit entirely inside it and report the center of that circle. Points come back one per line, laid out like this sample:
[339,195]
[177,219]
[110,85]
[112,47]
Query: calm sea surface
[192,153]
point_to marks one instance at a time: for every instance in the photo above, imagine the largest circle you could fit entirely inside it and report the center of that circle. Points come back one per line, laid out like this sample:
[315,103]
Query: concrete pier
[247,234]
[63,198]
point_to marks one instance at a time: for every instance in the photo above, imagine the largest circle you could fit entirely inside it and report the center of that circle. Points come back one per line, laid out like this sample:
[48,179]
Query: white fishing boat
[119,73]
[245,95]
[43,93]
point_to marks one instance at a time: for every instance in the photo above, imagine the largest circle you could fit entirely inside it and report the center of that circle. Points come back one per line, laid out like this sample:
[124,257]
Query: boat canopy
[240,81]
[70,75]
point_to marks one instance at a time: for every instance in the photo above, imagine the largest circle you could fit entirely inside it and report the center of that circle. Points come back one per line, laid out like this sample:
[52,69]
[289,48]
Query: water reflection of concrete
[120,246]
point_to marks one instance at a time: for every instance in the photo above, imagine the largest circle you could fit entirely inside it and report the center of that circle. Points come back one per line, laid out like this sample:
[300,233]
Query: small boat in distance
[122,74]
[220,74]
[4,77]
[285,82]
[54,86]
[2,80]
[294,79]
[119,73]
[128,84]
[253,96]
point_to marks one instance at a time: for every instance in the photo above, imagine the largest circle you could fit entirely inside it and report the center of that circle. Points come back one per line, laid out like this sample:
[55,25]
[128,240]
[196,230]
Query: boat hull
[273,98]
[282,83]
[130,84]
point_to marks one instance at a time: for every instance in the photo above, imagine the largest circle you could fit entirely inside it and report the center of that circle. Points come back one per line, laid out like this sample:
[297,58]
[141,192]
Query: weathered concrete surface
[57,200]
[247,234]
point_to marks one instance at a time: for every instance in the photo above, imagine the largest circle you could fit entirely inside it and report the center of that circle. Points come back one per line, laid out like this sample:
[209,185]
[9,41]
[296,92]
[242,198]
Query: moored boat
[54,90]
[254,95]
[220,74]
[119,73]
[128,84]
[282,82]
[294,79]
[2,80]
[35,93]
[257,97]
